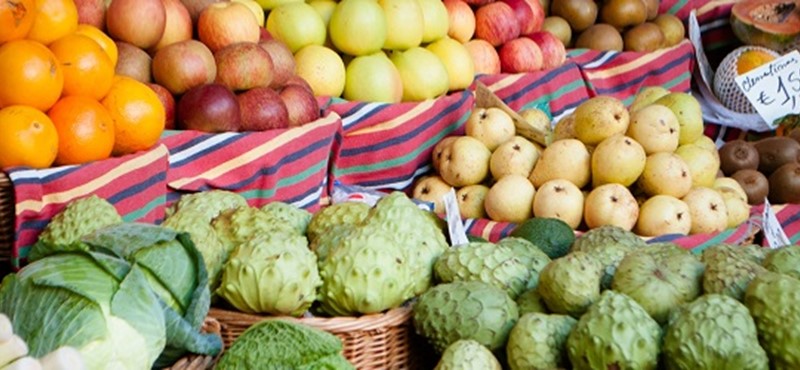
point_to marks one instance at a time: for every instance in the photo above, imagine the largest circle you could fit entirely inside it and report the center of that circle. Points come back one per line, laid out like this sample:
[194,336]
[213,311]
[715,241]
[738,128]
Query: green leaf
[170,263]
[136,303]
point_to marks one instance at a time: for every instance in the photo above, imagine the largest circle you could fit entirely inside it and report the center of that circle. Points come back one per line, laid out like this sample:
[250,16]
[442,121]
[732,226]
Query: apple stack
[646,168]
[212,63]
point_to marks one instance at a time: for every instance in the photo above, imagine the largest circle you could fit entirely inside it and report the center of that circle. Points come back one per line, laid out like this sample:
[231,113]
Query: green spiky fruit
[774,302]
[615,333]
[659,278]
[785,260]
[325,243]
[552,235]
[531,301]
[570,284]
[467,354]
[271,274]
[209,204]
[609,244]
[236,226]
[206,241]
[531,255]
[80,217]
[713,332]
[336,214]
[729,270]
[473,310]
[485,262]
[538,341]
[294,216]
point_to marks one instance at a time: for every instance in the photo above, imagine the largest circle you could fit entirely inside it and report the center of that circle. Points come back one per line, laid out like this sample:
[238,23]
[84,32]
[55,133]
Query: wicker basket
[199,362]
[6,221]
[371,342]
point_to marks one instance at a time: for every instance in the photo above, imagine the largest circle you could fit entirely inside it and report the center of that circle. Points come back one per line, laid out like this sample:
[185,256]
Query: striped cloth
[289,165]
[135,184]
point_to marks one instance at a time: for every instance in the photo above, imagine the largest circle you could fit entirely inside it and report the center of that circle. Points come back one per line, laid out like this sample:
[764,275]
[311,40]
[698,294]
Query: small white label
[773,232]
[774,88]
[455,226]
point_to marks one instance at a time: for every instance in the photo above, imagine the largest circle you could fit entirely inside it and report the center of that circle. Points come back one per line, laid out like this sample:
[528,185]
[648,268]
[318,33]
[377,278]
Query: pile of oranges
[60,100]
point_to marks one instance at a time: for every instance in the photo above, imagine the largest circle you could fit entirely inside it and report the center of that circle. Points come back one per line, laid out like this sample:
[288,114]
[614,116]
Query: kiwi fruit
[623,13]
[672,27]
[794,134]
[645,37]
[559,27]
[784,184]
[652,8]
[776,151]
[600,36]
[580,14]
[754,183]
[737,155]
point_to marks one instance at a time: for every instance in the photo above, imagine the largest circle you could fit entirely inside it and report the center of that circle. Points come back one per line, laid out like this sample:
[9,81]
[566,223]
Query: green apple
[358,27]
[404,24]
[457,60]
[373,78]
[325,9]
[272,4]
[437,20]
[255,8]
[297,25]
[423,73]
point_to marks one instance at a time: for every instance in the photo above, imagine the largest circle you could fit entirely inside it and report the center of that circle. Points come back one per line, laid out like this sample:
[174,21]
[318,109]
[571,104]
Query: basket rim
[393,317]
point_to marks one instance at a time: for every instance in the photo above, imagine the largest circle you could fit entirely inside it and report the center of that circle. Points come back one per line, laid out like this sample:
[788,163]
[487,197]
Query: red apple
[553,51]
[520,55]
[262,109]
[301,104]
[462,20]
[479,2]
[178,26]
[197,6]
[484,56]
[92,12]
[169,104]
[530,14]
[133,62]
[243,66]
[496,23]
[139,22]
[299,81]
[282,61]
[184,65]
[210,108]
[264,34]
[222,24]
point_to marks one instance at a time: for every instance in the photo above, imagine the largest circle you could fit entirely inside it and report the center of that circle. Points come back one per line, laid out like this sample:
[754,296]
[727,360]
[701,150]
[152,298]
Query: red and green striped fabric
[388,146]
[135,184]
[288,165]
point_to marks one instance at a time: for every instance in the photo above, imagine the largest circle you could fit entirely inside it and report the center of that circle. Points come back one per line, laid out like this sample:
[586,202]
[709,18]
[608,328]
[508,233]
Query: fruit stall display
[192,184]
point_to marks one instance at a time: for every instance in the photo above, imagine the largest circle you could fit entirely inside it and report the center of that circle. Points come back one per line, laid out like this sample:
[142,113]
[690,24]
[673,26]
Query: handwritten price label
[774,88]
[773,232]
[455,226]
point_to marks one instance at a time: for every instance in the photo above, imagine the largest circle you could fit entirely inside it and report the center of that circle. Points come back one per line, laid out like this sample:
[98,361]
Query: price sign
[774,88]
[455,226]
[773,232]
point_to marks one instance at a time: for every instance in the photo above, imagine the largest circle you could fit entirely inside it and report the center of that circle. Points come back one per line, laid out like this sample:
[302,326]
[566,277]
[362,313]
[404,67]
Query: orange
[54,20]
[100,37]
[85,130]
[752,59]
[31,75]
[87,68]
[16,19]
[27,137]
[138,115]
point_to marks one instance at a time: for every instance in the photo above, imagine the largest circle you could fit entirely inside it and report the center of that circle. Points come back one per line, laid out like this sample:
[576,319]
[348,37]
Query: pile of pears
[647,168]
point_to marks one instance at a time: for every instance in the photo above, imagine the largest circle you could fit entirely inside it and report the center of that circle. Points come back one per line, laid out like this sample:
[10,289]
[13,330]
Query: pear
[516,156]
[707,209]
[464,162]
[438,149]
[492,126]
[599,118]
[703,163]
[663,214]
[656,128]
[646,96]
[665,173]
[565,128]
[690,116]
[737,209]
[567,159]
[617,159]
[510,199]
[471,199]
[561,199]
[432,189]
[611,204]
[729,184]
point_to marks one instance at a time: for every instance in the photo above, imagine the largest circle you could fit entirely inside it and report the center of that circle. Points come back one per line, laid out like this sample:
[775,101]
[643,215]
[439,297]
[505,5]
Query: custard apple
[538,341]
[774,302]
[467,354]
[79,218]
[294,216]
[325,243]
[660,278]
[459,310]
[713,332]
[729,269]
[570,284]
[485,262]
[336,214]
[209,203]
[273,273]
[206,241]
[609,244]
[755,252]
[784,260]
[235,226]
[531,301]
[529,254]
[615,333]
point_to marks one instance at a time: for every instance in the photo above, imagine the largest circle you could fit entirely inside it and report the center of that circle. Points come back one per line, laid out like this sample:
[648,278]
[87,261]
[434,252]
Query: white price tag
[774,88]
[776,237]
[455,226]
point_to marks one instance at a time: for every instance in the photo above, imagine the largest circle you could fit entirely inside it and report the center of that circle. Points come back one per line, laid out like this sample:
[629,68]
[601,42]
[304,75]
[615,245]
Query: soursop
[615,333]
[205,239]
[79,218]
[570,284]
[209,203]
[485,262]
[336,214]
[529,254]
[713,332]
[538,341]
[784,260]
[530,301]
[609,244]
[729,270]
[774,302]
[292,215]
[660,278]
[467,354]
[473,310]
[271,274]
